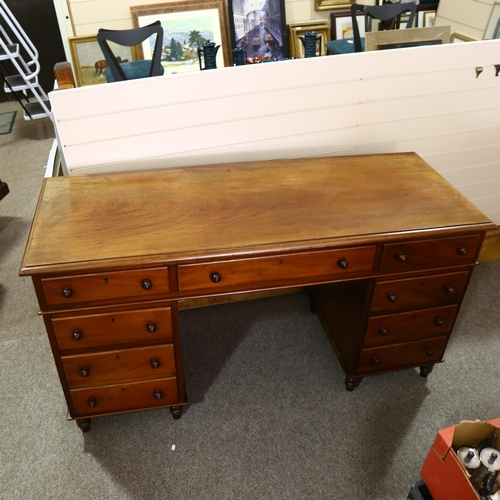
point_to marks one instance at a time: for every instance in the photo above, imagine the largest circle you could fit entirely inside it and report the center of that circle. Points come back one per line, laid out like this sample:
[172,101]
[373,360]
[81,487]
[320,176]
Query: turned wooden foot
[84,424]
[425,370]
[352,383]
[176,412]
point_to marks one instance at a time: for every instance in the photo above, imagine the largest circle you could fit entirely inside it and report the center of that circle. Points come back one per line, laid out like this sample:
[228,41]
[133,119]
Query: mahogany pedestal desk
[383,244]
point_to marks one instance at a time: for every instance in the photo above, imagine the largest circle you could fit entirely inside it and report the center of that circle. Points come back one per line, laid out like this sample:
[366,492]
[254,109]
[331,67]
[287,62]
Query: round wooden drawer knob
[383,331]
[439,322]
[215,277]
[429,352]
[392,297]
[67,292]
[92,402]
[462,250]
[146,284]
[155,363]
[401,257]
[158,394]
[84,371]
[151,327]
[450,290]
[375,361]
[77,335]
[342,263]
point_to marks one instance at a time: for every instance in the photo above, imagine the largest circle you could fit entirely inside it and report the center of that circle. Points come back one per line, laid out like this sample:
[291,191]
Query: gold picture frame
[296,30]
[332,4]
[459,37]
[178,17]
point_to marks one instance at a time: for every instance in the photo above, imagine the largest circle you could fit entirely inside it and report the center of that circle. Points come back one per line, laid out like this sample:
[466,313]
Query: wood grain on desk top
[182,213]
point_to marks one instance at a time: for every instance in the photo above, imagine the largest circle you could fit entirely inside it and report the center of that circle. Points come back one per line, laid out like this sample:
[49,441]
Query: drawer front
[419,353]
[439,252]
[413,293]
[126,365]
[115,328]
[124,397]
[414,325]
[258,272]
[143,284]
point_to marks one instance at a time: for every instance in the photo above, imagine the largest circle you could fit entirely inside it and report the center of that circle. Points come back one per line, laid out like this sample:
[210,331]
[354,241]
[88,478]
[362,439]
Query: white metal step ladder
[25,77]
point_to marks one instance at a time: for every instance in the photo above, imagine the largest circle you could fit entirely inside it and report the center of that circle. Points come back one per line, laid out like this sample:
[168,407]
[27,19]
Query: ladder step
[17,82]
[35,110]
[12,51]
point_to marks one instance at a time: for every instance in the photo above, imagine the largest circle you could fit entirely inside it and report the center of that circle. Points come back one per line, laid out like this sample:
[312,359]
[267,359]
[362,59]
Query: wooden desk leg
[84,424]
[425,370]
[352,383]
[176,412]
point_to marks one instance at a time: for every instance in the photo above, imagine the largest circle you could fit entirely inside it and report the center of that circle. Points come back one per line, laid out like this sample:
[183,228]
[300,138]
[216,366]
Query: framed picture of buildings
[259,28]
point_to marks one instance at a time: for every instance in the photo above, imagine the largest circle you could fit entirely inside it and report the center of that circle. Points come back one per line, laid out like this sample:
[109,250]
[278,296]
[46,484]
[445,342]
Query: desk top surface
[244,208]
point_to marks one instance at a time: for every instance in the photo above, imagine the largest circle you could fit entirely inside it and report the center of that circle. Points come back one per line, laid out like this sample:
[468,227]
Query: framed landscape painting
[88,59]
[186,26]
[259,28]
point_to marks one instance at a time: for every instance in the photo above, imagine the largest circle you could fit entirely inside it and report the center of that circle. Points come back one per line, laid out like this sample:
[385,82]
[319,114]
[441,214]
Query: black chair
[129,38]
[384,13]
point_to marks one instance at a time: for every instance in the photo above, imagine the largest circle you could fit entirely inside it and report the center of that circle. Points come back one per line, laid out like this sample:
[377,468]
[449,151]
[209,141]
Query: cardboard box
[442,471]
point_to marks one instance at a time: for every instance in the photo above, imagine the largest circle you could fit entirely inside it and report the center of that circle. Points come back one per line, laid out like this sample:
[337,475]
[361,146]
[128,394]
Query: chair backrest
[384,12]
[130,38]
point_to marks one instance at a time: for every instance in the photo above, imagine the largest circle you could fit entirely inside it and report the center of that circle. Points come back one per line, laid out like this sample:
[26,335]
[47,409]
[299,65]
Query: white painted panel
[473,174]
[481,189]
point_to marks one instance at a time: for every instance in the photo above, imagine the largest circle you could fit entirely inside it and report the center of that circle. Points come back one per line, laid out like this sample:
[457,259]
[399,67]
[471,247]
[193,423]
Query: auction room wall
[467,17]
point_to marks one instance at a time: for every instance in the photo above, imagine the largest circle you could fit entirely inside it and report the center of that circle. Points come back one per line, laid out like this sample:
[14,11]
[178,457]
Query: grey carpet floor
[268,417]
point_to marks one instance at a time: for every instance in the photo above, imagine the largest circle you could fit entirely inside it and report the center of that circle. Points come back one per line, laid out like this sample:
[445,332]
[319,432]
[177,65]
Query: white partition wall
[433,100]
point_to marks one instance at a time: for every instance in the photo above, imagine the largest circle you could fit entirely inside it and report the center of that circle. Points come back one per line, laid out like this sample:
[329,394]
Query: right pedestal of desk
[404,317]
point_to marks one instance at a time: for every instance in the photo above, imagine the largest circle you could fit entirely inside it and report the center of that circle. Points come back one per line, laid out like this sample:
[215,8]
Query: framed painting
[88,59]
[297,30]
[341,24]
[259,28]
[332,4]
[412,37]
[492,31]
[460,38]
[186,27]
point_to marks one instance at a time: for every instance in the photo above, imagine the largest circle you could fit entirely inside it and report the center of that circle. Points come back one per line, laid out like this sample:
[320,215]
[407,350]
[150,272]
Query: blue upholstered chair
[116,70]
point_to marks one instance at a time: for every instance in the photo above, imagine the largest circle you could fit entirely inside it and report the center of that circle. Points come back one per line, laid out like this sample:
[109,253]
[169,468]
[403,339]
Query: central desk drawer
[81,332]
[125,365]
[124,397]
[137,284]
[263,271]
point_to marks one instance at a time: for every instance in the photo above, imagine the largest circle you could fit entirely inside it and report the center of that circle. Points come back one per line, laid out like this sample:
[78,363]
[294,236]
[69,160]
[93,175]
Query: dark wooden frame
[281,25]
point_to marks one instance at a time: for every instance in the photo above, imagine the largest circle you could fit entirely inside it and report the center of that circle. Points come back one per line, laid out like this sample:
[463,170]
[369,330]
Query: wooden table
[384,245]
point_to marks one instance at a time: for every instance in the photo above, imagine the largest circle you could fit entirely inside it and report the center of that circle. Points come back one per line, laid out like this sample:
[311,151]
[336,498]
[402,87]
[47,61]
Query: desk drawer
[419,353]
[439,252]
[126,365]
[142,284]
[113,328]
[416,293]
[124,397]
[414,325]
[263,271]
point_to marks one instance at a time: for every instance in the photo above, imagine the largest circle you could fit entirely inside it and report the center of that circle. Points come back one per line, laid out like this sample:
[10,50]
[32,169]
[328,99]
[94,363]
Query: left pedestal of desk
[115,341]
